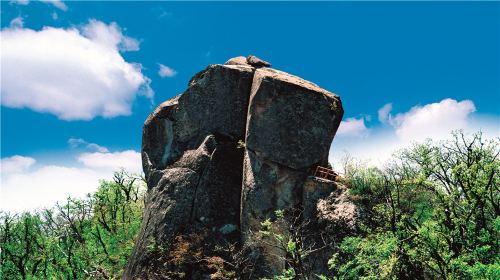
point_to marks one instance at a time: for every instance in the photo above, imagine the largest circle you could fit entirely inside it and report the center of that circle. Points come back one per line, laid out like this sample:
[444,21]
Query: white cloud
[434,120]
[56,3]
[25,188]
[76,142]
[166,71]
[79,142]
[45,186]
[110,161]
[16,164]
[384,113]
[352,127]
[109,35]
[376,149]
[71,73]
[95,147]
[17,22]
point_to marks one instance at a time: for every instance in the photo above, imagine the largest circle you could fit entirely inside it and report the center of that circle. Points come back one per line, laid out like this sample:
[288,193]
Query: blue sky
[404,71]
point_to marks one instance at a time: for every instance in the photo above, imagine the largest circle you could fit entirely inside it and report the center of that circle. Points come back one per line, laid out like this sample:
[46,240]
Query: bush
[432,213]
[85,238]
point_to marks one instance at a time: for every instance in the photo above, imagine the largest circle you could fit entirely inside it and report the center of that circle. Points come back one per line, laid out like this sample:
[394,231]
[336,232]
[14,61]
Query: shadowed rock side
[215,103]
[223,156]
[191,161]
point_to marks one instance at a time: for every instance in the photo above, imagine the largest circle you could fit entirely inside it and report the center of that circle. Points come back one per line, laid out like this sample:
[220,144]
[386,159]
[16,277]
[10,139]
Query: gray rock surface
[193,137]
[223,156]
[215,103]
[239,60]
[333,216]
[290,126]
[314,190]
[338,209]
[267,187]
[257,62]
[291,121]
[169,204]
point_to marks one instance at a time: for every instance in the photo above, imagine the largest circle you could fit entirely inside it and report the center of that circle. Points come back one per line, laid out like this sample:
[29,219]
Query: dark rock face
[223,156]
[291,121]
[290,126]
[215,103]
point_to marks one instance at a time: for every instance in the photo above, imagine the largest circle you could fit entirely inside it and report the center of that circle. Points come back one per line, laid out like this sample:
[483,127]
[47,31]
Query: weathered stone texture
[235,147]
[257,62]
[291,121]
[215,103]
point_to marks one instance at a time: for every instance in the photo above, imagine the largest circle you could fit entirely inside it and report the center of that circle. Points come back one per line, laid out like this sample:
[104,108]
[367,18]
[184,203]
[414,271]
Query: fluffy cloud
[79,142]
[110,161]
[110,36]
[16,164]
[45,186]
[25,187]
[166,71]
[352,127]
[56,3]
[435,121]
[75,74]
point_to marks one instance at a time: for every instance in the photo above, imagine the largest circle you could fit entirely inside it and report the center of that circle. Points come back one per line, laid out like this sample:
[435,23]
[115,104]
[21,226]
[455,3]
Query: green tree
[431,213]
[84,238]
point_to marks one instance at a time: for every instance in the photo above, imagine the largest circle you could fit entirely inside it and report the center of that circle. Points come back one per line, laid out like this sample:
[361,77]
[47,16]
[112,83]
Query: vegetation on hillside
[88,238]
[431,213]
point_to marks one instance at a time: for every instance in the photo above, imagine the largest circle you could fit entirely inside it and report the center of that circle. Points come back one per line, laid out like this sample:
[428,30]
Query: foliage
[84,238]
[241,144]
[287,274]
[290,234]
[432,213]
[193,255]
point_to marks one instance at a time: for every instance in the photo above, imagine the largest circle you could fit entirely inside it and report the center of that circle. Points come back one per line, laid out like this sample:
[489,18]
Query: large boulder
[290,126]
[191,161]
[168,207]
[221,158]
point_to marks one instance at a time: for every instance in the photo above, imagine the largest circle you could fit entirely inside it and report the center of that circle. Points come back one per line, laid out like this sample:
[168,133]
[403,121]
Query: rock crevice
[200,175]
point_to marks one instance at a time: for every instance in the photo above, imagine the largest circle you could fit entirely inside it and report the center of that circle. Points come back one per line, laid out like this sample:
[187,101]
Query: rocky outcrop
[222,157]
[290,126]
[332,215]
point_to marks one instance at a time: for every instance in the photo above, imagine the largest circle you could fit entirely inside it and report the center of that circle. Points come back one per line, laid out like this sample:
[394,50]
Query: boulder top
[250,60]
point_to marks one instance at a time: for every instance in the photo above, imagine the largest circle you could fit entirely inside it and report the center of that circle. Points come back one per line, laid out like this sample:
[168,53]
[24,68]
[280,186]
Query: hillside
[238,186]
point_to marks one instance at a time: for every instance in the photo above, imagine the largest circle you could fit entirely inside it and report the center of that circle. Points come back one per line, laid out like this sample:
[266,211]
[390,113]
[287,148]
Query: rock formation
[222,157]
